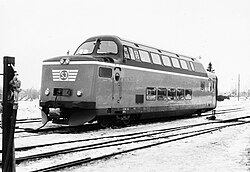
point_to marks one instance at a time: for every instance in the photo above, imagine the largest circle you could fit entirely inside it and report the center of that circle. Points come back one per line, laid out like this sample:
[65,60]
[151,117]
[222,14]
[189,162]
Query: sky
[216,31]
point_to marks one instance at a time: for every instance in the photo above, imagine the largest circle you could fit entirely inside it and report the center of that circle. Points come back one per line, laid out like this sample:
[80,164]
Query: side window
[144,56]
[214,86]
[105,72]
[171,94]
[151,93]
[184,64]
[211,86]
[192,66]
[202,85]
[156,58]
[180,94]
[166,60]
[137,57]
[126,53]
[162,94]
[176,63]
[188,94]
[131,52]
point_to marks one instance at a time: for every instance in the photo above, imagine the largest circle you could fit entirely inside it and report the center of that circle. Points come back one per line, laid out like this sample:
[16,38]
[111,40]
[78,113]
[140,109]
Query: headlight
[47,92]
[79,93]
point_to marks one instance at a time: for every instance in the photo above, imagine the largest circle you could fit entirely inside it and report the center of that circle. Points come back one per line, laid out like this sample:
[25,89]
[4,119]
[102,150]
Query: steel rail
[117,142]
[82,161]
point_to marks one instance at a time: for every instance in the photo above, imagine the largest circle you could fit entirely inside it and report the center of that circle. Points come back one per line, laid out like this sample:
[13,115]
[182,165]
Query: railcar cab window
[85,48]
[107,47]
[166,60]
[151,94]
[171,94]
[105,72]
[156,58]
[175,62]
[144,56]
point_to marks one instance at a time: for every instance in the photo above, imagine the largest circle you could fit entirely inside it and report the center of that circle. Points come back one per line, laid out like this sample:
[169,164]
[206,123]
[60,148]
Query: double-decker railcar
[109,79]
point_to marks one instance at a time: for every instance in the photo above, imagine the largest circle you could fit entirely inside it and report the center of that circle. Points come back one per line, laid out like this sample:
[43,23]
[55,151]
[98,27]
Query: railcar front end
[67,91]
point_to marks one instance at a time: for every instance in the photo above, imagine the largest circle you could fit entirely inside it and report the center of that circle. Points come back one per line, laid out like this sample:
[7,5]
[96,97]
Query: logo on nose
[64,75]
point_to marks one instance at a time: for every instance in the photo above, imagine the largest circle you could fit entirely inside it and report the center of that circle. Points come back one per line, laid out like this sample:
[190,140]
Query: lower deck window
[162,94]
[188,94]
[180,94]
[151,93]
[171,94]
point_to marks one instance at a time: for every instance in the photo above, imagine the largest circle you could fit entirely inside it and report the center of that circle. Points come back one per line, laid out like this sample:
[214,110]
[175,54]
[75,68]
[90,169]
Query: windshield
[86,48]
[107,47]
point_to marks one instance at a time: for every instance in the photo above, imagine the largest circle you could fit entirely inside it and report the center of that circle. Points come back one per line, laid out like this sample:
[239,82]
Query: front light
[47,92]
[79,93]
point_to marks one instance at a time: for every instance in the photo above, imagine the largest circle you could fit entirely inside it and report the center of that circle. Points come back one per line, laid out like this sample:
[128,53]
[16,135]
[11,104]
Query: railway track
[91,127]
[145,139]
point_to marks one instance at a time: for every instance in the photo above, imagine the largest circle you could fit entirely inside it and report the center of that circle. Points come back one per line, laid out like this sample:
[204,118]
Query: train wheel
[103,122]
[199,113]
[126,120]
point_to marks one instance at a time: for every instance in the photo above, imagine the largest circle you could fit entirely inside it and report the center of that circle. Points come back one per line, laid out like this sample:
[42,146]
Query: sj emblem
[64,75]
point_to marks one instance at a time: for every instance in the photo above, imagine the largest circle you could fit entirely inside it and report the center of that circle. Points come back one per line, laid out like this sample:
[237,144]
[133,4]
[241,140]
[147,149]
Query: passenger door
[117,86]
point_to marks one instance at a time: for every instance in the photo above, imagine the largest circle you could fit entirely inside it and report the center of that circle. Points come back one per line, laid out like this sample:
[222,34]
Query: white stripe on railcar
[126,67]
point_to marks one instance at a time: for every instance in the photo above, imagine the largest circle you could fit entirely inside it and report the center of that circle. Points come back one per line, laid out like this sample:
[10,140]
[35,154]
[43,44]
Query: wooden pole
[238,87]
[8,118]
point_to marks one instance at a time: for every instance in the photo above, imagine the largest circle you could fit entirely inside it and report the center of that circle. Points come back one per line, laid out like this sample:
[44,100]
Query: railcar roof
[142,46]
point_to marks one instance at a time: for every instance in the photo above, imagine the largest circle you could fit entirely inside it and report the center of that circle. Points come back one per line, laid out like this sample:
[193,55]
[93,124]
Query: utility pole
[238,87]
[8,117]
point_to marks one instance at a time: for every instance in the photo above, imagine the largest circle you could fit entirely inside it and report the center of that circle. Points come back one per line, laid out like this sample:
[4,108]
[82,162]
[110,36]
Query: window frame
[142,54]
[169,97]
[175,65]
[164,97]
[115,53]
[125,49]
[103,76]
[153,58]
[131,53]
[180,96]
[137,55]
[186,95]
[192,65]
[169,60]
[151,89]
[184,62]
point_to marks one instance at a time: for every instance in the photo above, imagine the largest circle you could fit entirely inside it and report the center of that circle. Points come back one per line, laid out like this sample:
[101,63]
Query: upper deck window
[192,66]
[126,53]
[166,60]
[86,48]
[131,52]
[156,58]
[144,56]
[107,47]
[175,62]
[184,64]
[137,57]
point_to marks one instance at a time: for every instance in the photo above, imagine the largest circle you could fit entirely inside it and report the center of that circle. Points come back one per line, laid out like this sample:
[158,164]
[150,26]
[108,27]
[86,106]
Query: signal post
[8,116]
